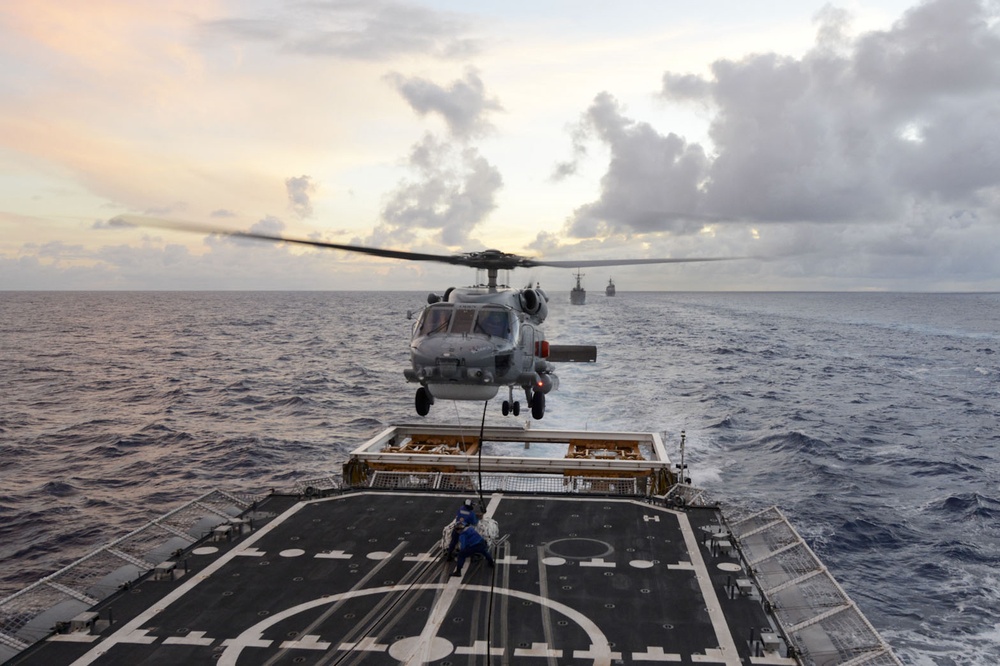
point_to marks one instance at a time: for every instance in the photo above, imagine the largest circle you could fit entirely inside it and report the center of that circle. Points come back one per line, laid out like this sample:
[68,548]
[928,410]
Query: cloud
[454,191]
[463,105]
[362,30]
[855,131]
[652,182]
[117,222]
[299,190]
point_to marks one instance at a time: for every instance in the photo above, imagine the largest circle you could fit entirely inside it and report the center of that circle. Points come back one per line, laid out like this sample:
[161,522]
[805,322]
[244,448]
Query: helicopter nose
[453,360]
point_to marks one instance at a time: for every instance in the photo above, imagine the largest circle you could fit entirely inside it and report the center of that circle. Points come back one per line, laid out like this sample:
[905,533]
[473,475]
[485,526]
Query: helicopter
[470,342]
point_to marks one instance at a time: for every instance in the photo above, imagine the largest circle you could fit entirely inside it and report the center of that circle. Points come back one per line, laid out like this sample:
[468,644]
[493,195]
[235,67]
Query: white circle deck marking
[579,548]
[378,555]
[292,552]
[729,566]
[205,550]
[600,649]
[403,649]
[641,564]
[554,561]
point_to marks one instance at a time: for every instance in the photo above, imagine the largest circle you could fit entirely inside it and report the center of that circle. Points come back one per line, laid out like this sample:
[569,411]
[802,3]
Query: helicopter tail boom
[572,353]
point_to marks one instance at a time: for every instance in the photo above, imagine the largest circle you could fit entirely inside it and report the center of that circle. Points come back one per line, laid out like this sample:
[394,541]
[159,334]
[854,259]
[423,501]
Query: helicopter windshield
[494,322]
[436,320]
[491,320]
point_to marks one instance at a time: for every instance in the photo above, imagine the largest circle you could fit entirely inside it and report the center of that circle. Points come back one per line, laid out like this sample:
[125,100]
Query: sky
[842,146]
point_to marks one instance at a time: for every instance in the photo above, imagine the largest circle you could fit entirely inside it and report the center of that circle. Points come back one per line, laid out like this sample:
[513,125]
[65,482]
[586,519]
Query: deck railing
[34,612]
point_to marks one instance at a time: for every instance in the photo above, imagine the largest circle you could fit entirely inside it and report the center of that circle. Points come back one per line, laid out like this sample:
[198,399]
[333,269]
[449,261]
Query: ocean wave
[878,441]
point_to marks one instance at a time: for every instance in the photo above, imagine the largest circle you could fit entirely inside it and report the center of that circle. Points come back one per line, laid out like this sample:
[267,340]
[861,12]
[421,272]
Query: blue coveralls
[467,515]
[471,543]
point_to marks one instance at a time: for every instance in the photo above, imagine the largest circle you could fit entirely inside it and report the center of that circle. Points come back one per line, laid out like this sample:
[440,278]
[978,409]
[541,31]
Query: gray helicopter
[469,342]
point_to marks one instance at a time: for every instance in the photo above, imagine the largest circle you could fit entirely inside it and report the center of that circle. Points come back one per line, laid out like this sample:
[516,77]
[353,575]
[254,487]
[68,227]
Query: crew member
[471,543]
[465,515]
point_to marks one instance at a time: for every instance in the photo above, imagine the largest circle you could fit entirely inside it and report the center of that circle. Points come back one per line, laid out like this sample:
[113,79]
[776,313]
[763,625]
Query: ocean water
[870,419]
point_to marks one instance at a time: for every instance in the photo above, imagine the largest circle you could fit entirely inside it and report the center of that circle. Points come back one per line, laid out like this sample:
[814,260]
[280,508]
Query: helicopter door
[528,340]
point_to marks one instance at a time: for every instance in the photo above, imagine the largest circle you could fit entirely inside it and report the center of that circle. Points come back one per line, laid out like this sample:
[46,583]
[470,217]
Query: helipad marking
[205,550]
[421,648]
[554,561]
[192,638]
[640,564]
[509,559]
[73,637]
[713,656]
[248,638]
[479,648]
[378,555]
[648,518]
[366,644]
[309,642]
[655,653]
[594,652]
[138,636]
[420,557]
[250,552]
[292,552]
[245,640]
[142,618]
[492,506]
[538,650]
[727,653]
[417,650]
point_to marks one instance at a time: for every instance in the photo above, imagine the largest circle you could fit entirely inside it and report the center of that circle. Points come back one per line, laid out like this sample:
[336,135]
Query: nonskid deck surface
[359,578]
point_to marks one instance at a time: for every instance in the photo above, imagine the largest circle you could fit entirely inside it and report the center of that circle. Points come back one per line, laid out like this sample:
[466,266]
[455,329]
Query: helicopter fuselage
[478,340]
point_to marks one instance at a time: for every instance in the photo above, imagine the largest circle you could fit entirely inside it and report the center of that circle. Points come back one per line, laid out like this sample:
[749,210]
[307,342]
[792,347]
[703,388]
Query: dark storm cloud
[299,190]
[860,129]
[463,105]
[455,189]
[368,30]
[650,178]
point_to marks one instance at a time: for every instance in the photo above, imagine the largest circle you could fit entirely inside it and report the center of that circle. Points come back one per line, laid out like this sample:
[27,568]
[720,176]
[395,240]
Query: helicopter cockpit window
[493,322]
[465,317]
[436,320]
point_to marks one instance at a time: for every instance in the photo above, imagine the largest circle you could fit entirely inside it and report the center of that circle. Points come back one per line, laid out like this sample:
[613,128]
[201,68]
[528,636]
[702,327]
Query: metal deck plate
[359,578]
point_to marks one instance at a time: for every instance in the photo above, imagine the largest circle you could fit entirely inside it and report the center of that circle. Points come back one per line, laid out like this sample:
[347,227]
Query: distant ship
[610,289]
[578,296]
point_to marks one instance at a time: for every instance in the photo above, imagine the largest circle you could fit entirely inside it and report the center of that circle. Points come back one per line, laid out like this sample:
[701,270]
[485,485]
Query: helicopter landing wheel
[505,408]
[423,401]
[538,406]
[516,408]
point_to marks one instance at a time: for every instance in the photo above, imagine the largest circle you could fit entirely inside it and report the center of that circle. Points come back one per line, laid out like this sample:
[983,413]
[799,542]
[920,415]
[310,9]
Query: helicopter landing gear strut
[510,406]
[423,401]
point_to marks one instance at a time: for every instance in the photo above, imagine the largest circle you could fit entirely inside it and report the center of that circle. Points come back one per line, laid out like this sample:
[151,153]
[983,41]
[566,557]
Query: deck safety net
[31,614]
[815,613]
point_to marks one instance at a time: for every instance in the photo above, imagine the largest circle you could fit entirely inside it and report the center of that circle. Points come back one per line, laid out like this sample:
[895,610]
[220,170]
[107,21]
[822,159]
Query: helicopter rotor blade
[588,263]
[378,252]
[492,260]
